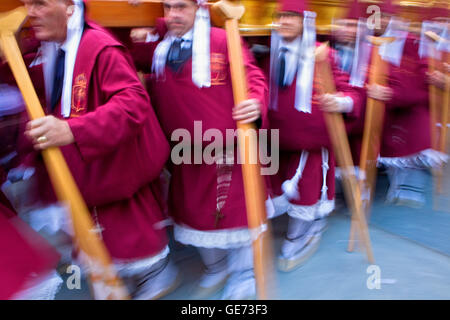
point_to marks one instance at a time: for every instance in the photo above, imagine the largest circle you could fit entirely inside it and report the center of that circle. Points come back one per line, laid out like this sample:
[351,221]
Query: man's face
[49,18]
[290,25]
[180,15]
[346,32]
[384,22]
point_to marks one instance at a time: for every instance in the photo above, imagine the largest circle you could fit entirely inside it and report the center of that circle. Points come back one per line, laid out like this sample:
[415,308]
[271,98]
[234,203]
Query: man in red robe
[406,143]
[192,93]
[99,114]
[352,57]
[304,186]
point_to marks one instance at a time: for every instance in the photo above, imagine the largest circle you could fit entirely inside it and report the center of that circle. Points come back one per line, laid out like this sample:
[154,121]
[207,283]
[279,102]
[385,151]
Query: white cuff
[151,37]
[346,103]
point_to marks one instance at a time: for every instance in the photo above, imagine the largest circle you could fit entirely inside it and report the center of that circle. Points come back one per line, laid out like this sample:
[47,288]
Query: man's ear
[70,10]
[71,7]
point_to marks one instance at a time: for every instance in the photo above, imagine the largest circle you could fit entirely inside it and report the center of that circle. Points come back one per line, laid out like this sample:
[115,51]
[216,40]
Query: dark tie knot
[177,42]
[175,50]
[181,43]
[61,53]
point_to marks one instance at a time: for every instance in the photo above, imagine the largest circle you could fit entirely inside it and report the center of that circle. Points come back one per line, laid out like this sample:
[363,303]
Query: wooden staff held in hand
[439,80]
[378,93]
[253,181]
[341,146]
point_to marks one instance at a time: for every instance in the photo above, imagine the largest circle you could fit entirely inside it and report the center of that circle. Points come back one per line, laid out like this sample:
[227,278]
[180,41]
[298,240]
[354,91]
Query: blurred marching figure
[27,262]
[405,144]
[191,85]
[18,181]
[344,33]
[352,57]
[305,184]
[100,116]
[437,52]
[435,46]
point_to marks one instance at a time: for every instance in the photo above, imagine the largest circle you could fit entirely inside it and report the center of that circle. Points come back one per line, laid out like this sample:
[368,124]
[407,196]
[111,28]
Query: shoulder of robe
[99,37]
[331,51]
[218,38]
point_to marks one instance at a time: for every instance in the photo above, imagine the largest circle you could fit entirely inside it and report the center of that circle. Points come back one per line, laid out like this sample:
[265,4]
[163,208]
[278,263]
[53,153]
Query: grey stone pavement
[411,248]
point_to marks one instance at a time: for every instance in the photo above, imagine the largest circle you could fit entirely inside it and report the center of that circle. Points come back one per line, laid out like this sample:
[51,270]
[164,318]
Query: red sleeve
[342,85]
[122,115]
[257,84]
[409,90]
[142,53]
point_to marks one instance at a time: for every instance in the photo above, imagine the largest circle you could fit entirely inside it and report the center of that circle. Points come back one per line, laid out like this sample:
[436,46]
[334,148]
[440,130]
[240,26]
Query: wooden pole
[445,111]
[122,14]
[373,129]
[253,182]
[341,146]
[444,122]
[438,144]
[251,172]
[434,98]
[433,93]
[104,278]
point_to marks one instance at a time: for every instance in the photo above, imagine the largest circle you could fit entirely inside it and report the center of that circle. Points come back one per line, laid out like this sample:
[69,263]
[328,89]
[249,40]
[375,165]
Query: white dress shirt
[292,58]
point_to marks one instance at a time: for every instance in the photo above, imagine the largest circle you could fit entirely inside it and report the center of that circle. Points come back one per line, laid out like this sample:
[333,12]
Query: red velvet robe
[307,131]
[355,124]
[119,148]
[406,123]
[178,103]
[407,120]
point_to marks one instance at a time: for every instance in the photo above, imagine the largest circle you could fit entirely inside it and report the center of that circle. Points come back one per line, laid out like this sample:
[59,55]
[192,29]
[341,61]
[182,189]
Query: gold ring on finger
[42,139]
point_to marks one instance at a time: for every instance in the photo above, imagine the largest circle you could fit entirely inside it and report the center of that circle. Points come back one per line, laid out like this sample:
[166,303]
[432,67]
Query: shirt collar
[63,45]
[187,36]
[293,46]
